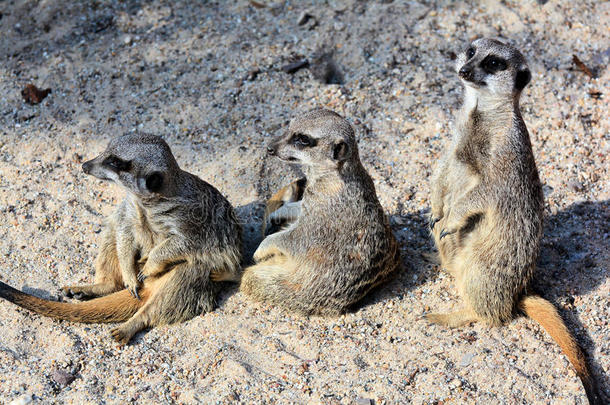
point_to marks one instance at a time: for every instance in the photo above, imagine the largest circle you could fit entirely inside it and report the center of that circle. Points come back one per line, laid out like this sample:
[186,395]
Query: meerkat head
[320,138]
[142,164]
[487,65]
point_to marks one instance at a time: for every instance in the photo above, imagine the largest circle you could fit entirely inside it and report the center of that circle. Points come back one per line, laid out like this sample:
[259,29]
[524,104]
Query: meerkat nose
[465,72]
[87,167]
[271,150]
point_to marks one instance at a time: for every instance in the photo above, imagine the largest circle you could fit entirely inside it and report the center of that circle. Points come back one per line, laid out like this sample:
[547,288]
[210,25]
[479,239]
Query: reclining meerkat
[337,244]
[171,235]
[487,203]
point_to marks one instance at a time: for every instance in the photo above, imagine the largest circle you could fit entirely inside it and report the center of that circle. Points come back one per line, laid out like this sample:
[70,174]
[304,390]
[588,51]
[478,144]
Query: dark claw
[445,232]
[433,222]
[141,277]
[134,293]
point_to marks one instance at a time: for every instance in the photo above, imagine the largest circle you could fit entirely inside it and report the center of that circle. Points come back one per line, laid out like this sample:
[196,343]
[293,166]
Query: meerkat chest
[150,227]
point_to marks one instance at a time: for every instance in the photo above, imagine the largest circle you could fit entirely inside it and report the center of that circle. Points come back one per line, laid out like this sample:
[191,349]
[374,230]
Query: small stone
[363,401]
[339,26]
[304,18]
[62,377]
[22,400]
[127,40]
[398,220]
[547,190]
[575,185]
[466,359]
[252,75]
[455,383]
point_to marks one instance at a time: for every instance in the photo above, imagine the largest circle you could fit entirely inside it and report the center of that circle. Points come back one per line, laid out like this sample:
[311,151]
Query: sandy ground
[208,77]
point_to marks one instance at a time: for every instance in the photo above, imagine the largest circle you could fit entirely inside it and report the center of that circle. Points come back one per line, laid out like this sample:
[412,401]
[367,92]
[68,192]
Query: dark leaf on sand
[580,65]
[257,4]
[295,66]
[33,95]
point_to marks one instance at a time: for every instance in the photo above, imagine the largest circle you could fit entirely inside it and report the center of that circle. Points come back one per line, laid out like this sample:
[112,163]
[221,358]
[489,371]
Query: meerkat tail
[116,307]
[545,313]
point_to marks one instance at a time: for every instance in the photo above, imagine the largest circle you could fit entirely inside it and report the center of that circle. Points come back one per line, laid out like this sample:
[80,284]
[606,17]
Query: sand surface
[208,77]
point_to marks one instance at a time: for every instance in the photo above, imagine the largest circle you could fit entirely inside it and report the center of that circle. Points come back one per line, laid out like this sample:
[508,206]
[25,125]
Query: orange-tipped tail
[545,313]
[116,307]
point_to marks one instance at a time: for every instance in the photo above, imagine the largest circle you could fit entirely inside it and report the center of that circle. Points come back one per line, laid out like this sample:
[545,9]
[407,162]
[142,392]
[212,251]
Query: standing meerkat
[162,249]
[337,244]
[487,203]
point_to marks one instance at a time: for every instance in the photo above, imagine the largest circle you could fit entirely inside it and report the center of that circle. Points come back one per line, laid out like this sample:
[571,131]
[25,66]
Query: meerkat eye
[302,141]
[470,53]
[117,164]
[493,64]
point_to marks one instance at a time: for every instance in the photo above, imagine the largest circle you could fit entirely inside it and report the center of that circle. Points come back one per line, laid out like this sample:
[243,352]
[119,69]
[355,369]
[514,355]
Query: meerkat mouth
[289,159]
[474,83]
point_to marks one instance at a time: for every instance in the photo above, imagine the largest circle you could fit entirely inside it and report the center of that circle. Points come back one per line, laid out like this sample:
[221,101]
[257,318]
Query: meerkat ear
[341,151]
[154,182]
[523,78]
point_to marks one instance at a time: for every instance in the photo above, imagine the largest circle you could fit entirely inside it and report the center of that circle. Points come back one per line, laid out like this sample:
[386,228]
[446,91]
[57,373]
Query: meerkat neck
[484,101]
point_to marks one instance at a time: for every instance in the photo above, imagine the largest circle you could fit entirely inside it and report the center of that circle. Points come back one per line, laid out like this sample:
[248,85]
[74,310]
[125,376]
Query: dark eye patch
[493,64]
[301,141]
[117,164]
[470,53]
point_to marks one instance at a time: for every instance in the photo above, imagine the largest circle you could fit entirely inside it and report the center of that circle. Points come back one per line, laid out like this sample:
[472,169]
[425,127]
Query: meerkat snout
[466,73]
[86,167]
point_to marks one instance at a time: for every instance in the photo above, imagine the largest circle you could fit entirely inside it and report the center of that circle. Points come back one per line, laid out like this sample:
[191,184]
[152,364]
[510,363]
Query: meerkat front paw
[75,292]
[265,254]
[446,231]
[433,220]
[132,285]
[150,268]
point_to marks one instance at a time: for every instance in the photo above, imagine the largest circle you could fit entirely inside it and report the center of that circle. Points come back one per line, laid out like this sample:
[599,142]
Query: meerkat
[163,250]
[487,203]
[336,244]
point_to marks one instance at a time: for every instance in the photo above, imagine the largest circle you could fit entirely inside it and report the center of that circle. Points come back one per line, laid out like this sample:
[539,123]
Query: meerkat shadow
[415,244]
[250,216]
[573,261]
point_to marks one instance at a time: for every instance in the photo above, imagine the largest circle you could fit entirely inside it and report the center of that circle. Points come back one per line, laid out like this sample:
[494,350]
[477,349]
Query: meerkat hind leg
[453,319]
[140,321]
[108,276]
[88,291]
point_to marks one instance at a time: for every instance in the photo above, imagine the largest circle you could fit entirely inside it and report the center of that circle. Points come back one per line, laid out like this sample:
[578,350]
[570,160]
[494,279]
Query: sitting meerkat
[336,244]
[487,203]
[162,250]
